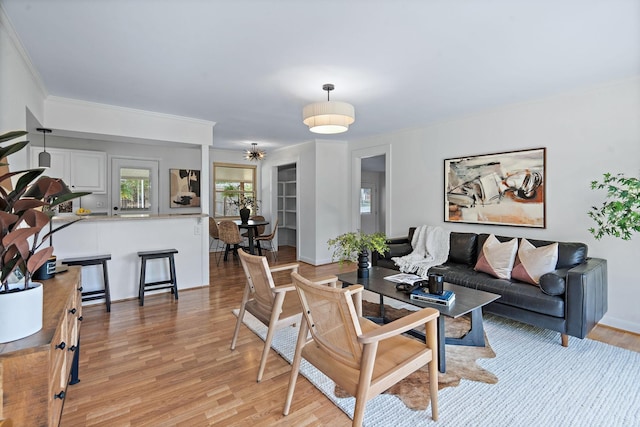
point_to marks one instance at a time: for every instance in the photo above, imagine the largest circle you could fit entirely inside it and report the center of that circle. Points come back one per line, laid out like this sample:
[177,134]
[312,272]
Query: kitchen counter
[106,217]
[123,236]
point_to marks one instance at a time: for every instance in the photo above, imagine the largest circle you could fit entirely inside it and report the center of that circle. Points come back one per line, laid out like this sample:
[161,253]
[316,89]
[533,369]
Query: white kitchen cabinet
[81,170]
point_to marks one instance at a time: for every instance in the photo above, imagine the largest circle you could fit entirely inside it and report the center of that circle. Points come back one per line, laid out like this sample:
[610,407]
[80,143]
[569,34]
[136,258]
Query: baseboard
[621,324]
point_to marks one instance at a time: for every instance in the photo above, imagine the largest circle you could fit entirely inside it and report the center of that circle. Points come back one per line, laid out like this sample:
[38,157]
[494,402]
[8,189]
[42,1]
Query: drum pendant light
[328,117]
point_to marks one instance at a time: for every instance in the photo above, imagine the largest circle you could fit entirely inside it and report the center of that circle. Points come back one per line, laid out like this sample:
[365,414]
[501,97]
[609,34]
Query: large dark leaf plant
[619,214]
[23,219]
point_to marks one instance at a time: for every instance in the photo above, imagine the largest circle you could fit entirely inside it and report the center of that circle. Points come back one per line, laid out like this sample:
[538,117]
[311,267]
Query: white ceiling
[251,65]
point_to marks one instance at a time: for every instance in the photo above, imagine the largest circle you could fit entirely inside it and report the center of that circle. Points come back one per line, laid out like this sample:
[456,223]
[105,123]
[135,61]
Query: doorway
[372,194]
[134,186]
[287,205]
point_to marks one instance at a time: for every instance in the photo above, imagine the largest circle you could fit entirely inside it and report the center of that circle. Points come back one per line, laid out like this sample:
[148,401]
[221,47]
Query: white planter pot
[20,313]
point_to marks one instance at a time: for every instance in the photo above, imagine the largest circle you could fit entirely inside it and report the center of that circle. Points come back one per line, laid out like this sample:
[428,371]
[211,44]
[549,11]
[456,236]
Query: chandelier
[254,153]
[330,116]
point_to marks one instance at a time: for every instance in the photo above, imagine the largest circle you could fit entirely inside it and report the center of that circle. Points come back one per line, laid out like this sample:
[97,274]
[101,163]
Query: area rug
[540,382]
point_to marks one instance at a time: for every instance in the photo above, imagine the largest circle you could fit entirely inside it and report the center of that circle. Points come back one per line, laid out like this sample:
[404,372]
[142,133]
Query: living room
[587,131]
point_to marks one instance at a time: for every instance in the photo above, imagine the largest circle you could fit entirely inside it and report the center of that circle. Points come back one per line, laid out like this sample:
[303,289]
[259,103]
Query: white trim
[88,104]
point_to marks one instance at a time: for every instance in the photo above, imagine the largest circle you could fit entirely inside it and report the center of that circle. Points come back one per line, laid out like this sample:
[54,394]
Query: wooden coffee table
[468,301]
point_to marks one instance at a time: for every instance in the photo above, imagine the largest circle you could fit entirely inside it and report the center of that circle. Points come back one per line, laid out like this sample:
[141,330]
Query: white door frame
[356,178]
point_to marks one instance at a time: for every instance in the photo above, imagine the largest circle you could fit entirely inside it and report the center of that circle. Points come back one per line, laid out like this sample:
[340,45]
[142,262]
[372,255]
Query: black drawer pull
[73,311]
[80,289]
[80,318]
[61,346]
[72,348]
[60,395]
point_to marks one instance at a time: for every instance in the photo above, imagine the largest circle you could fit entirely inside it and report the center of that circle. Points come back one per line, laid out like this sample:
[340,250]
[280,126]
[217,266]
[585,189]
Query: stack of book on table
[422,294]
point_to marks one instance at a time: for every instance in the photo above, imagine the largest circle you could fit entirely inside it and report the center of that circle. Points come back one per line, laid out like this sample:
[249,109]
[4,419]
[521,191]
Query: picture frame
[184,188]
[506,188]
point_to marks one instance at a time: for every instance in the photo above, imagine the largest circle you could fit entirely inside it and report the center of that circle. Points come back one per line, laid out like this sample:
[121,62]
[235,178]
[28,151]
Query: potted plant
[354,246]
[619,214]
[25,211]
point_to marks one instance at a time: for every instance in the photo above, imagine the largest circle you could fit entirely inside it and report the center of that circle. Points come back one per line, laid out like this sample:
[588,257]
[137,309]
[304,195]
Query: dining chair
[269,238]
[275,306]
[214,233]
[230,235]
[258,230]
[362,357]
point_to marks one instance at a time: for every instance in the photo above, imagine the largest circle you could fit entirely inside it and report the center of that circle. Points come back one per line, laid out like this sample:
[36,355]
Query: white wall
[20,88]
[322,184]
[586,134]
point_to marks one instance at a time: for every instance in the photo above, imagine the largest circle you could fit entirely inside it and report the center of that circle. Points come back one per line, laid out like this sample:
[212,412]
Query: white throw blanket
[430,247]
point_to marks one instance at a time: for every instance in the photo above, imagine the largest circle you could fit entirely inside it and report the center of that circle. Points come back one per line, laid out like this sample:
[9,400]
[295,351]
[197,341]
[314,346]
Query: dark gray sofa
[570,300]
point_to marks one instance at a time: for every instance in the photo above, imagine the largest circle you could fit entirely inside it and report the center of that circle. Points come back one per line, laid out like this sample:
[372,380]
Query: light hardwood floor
[169,363]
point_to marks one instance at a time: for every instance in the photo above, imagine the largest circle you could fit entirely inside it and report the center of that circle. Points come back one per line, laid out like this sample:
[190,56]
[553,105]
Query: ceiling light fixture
[44,158]
[254,153]
[330,116]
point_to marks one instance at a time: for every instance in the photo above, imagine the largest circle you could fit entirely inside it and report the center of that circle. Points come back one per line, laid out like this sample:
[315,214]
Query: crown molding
[5,23]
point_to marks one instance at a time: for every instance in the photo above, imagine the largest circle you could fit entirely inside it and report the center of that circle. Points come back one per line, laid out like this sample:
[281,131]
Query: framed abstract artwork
[499,189]
[184,188]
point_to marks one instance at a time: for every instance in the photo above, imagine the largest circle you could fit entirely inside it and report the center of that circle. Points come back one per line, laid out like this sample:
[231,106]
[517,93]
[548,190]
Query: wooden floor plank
[168,363]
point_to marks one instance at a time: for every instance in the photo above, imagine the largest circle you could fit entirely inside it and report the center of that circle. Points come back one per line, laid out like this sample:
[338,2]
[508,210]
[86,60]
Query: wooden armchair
[362,357]
[275,306]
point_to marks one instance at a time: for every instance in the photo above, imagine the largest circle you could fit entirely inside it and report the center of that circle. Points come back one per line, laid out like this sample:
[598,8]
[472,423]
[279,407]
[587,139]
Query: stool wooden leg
[143,269]
[174,279]
[107,292]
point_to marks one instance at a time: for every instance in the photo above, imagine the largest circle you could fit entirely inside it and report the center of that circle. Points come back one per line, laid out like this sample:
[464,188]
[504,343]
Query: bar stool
[154,286]
[94,260]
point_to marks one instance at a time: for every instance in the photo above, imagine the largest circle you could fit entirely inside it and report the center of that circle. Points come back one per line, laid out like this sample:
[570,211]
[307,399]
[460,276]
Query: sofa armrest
[397,247]
[586,296]
[398,240]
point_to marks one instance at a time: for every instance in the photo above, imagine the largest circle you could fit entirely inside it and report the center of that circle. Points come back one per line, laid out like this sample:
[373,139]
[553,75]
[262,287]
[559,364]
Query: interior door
[134,186]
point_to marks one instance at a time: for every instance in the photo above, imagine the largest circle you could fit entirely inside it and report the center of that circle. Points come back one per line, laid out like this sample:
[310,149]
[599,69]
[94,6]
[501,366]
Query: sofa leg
[565,340]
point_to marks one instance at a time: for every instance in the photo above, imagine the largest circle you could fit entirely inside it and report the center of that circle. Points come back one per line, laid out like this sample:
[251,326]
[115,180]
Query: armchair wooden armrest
[327,280]
[292,266]
[284,288]
[399,326]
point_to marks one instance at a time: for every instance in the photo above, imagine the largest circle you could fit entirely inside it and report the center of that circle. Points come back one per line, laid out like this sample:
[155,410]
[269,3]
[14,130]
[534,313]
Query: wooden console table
[35,371]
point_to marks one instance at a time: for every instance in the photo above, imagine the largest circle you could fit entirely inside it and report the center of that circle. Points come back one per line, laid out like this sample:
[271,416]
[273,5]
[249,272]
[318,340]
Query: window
[137,180]
[135,187]
[229,183]
[365,200]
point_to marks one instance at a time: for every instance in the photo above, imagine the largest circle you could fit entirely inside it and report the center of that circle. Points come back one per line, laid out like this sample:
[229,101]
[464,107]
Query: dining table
[252,230]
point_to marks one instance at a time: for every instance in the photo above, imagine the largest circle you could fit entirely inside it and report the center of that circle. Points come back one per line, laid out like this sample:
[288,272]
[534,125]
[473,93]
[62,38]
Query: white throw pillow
[532,262]
[497,258]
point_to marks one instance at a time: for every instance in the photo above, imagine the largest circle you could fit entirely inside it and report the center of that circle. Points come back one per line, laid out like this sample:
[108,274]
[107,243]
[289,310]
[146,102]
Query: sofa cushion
[553,283]
[532,262]
[497,258]
[516,294]
[462,248]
